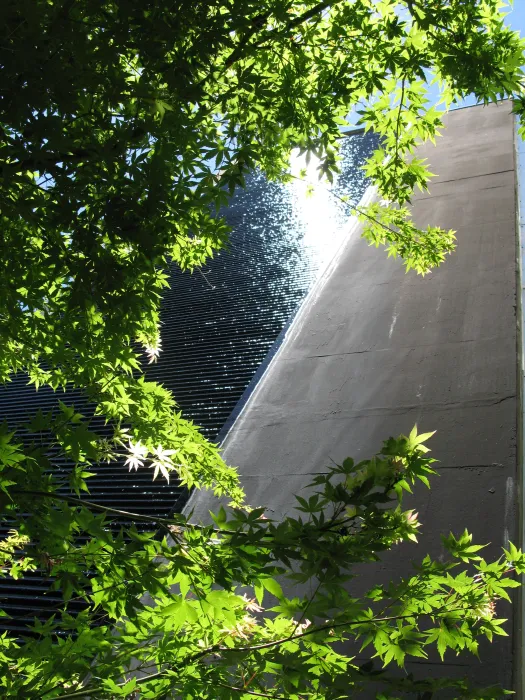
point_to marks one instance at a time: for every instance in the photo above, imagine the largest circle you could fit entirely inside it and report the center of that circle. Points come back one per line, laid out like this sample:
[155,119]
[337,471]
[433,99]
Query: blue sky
[516,18]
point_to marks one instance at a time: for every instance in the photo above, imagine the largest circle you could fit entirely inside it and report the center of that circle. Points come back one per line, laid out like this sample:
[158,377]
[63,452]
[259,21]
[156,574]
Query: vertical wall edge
[519,613]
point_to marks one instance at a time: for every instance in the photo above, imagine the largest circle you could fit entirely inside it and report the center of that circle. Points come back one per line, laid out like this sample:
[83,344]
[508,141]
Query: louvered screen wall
[218,326]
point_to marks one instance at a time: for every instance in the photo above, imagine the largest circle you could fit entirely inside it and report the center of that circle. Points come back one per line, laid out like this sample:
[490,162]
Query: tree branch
[396,157]
[237,52]
[256,647]
[95,506]
[34,163]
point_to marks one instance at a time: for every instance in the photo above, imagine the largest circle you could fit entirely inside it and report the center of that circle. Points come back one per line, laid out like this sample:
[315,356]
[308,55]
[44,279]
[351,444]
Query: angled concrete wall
[375,350]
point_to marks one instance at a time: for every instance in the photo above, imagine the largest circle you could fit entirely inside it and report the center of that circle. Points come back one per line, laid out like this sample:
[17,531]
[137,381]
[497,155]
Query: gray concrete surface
[375,350]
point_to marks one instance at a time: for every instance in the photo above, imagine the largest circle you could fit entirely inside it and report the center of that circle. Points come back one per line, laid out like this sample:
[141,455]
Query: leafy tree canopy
[125,127]
[126,124]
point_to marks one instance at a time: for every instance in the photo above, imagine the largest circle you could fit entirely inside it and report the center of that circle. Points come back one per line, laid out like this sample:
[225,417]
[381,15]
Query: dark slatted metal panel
[218,326]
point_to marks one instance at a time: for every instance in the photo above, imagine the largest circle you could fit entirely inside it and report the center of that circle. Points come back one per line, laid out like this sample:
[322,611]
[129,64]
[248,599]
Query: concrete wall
[375,350]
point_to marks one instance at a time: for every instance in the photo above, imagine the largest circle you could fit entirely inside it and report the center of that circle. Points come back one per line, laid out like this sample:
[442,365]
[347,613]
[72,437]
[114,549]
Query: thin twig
[265,645]
[400,110]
